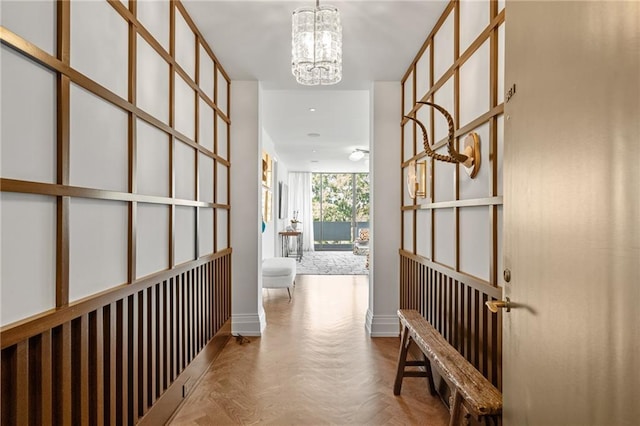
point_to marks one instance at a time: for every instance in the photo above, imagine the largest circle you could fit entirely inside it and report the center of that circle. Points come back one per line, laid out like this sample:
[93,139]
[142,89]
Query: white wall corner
[248,324]
[382,325]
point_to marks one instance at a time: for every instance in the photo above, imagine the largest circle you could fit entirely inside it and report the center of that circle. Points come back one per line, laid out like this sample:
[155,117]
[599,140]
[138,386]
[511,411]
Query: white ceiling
[252,40]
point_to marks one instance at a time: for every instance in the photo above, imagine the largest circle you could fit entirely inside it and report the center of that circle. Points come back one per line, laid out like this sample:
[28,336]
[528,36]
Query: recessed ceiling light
[313,135]
[312,110]
[314,161]
[314,151]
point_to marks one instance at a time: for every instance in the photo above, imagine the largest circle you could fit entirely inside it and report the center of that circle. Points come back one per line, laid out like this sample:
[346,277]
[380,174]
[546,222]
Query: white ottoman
[279,272]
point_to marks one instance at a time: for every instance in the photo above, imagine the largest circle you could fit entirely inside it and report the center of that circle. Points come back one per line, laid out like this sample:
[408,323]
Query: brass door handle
[494,305]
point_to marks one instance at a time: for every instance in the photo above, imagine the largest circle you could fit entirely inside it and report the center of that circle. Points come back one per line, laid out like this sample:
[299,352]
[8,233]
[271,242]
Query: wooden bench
[468,387]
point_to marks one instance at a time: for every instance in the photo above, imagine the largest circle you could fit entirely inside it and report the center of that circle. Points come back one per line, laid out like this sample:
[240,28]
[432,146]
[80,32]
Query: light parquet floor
[314,365]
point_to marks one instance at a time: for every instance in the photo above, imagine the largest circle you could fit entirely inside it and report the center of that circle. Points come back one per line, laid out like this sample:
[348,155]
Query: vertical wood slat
[21,379]
[41,369]
[80,372]
[86,371]
[151,345]
[134,366]
[457,311]
[143,354]
[62,374]
[122,368]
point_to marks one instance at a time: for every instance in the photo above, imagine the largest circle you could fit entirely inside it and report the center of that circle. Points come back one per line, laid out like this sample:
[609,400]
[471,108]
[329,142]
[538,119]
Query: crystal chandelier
[316,45]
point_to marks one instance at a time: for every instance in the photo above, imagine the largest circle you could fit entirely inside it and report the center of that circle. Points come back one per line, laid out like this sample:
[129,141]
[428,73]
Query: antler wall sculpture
[470,159]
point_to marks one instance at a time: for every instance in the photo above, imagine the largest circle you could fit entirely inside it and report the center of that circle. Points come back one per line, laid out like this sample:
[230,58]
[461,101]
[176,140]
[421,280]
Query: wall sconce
[470,158]
[417,179]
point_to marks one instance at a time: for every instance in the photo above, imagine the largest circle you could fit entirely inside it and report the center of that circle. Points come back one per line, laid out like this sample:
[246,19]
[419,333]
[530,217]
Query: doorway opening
[340,209]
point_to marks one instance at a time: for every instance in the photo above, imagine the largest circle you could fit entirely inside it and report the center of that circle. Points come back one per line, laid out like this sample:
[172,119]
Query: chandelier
[316,45]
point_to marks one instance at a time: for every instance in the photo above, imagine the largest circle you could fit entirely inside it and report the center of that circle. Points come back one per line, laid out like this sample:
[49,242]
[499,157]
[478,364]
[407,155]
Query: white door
[572,213]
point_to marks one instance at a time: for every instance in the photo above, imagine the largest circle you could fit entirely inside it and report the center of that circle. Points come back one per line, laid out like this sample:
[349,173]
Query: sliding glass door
[340,209]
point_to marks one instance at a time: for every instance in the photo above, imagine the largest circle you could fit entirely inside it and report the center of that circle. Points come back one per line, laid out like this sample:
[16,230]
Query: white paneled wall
[153,239]
[98,147]
[152,90]
[97,246]
[97,27]
[28,128]
[136,180]
[28,238]
[459,223]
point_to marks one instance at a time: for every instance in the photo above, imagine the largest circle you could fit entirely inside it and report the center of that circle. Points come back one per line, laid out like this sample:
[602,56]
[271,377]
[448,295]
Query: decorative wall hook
[470,158]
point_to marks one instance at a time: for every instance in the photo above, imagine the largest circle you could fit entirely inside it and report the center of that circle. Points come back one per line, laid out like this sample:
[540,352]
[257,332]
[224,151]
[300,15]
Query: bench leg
[289,291]
[456,411]
[402,360]
[432,385]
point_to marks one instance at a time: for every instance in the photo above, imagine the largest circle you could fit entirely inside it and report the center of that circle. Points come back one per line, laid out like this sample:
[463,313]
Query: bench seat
[469,388]
[279,272]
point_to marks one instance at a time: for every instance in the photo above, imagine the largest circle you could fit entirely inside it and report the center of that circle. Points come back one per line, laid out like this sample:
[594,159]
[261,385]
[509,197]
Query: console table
[285,236]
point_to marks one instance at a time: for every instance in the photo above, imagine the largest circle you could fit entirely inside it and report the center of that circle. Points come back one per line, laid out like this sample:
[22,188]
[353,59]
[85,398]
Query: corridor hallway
[313,365]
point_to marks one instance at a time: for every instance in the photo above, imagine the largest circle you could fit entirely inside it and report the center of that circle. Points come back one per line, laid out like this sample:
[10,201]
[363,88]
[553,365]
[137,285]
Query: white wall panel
[206,72]
[205,237]
[444,225]
[423,233]
[184,164]
[222,92]
[154,15]
[500,148]
[152,85]
[222,129]
[424,115]
[28,278]
[222,236]
[407,241]
[28,128]
[500,267]
[205,170]
[152,160]
[98,148]
[443,48]
[97,246]
[474,85]
[408,201]
[152,244]
[99,44]
[475,244]
[205,125]
[409,143]
[444,174]
[408,94]
[222,178]
[185,248]
[32,20]
[444,98]
[480,186]
[185,46]
[501,86]
[423,69]
[501,5]
[185,109]
[474,18]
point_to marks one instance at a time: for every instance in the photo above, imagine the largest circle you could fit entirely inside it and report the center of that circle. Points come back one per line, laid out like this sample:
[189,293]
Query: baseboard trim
[382,325]
[248,324]
[166,406]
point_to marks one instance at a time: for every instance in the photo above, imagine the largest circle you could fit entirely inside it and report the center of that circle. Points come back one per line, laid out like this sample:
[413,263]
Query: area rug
[332,263]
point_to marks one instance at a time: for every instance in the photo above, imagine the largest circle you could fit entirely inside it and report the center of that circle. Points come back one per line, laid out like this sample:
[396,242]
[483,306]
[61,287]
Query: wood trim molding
[476,283]
[16,332]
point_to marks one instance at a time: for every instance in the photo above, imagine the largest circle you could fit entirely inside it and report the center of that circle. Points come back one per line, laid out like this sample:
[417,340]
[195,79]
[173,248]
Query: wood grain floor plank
[314,364]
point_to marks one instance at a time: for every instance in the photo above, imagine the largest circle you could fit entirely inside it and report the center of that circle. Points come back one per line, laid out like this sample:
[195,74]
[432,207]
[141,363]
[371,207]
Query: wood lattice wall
[451,245]
[116,278]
